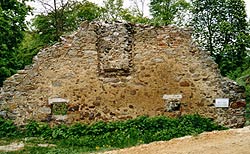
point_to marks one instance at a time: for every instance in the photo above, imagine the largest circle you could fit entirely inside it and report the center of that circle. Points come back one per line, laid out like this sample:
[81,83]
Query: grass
[101,136]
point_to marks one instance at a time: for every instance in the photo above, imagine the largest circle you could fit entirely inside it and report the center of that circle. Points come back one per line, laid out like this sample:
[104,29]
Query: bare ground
[233,141]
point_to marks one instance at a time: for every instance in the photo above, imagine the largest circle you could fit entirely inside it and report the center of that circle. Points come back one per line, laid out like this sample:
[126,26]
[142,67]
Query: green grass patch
[81,138]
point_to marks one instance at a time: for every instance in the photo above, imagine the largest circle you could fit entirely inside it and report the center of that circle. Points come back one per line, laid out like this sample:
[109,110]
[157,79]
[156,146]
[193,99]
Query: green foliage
[112,10]
[33,148]
[51,26]
[164,11]
[12,26]
[45,28]
[243,79]
[86,11]
[133,17]
[59,109]
[17,47]
[7,128]
[220,27]
[28,49]
[120,134]
[248,104]
[34,129]
[69,17]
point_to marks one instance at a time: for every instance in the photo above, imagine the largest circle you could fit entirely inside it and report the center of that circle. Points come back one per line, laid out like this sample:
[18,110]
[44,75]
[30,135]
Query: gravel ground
[233,141]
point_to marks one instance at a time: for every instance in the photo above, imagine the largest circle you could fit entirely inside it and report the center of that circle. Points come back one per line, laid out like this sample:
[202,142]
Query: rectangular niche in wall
[58,106]
[114,45]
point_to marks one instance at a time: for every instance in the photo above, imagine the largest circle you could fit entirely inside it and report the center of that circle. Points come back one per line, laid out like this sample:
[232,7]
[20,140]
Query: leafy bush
[34,129]
[118,134]
[140,130]
[7,128]
[243,79]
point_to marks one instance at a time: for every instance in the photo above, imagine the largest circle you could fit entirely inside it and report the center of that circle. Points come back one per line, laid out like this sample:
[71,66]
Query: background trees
[66,18]
[112,10]
[220,27]
[164,11]
[12,26]
[137,12]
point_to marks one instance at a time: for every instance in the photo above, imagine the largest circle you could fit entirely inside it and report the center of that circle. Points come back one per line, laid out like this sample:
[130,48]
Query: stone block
[3,113]
[184,83]
[158,60]
[57,100]
[45,110]
[238,104]
[172,97]
[59,106]
[60,117]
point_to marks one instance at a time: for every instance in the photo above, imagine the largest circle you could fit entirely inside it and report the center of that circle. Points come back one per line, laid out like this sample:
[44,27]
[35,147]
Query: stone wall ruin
[116,71]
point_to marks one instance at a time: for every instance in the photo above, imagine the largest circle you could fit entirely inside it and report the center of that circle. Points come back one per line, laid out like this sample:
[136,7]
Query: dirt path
[12,147]
[234,141]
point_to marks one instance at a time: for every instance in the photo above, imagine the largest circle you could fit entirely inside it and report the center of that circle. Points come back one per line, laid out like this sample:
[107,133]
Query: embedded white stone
[166,97]
[57,100]
[45,110]
[222,102]
[60,117]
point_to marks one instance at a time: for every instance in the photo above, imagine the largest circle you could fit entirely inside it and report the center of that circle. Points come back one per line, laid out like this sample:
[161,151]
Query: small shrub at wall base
[120,134]
[59,109]
[8,129]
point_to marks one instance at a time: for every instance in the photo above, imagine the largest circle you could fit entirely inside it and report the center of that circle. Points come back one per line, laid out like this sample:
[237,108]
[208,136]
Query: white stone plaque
[166,97]
[57,100]
[222,102]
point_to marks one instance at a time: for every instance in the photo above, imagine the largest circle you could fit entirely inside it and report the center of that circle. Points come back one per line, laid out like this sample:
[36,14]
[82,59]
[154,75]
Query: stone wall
[116,71]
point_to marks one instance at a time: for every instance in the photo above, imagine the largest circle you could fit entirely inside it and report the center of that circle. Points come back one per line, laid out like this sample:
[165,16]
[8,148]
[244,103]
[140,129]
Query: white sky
[127,3]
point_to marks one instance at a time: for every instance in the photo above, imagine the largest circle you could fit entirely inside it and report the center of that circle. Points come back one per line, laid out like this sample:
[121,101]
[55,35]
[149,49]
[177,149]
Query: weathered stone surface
[172,102]
[184,84]
[45,110]
[3,114]
[238,104]
[172,97]
[57,100]
[62,118]
[112,71]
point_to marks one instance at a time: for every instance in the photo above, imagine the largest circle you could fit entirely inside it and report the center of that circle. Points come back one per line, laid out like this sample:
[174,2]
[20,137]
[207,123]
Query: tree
[139,6]
[56,13]
[87,11]
[12,26]
[164,11]
[220,27]
[136,12]
[112,10]
[68,18]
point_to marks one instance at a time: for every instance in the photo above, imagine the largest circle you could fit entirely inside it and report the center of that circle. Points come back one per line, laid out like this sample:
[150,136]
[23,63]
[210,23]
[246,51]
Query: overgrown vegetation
[220,27]
[12,27]
[244,80]
[102,135]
